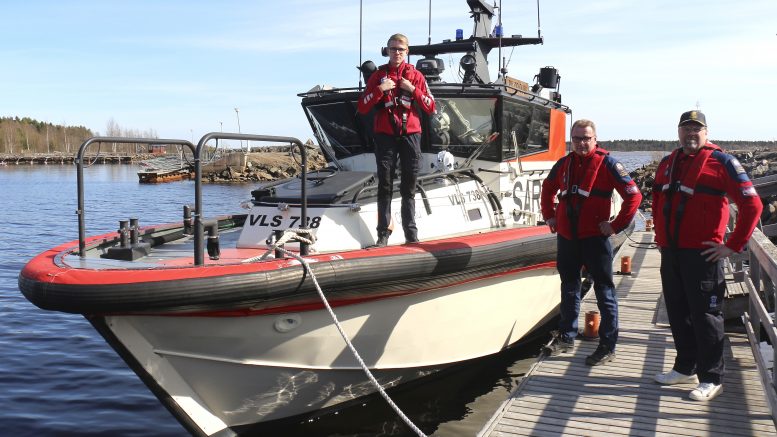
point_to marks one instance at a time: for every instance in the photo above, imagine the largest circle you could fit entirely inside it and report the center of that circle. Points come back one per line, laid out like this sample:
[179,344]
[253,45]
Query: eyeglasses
[694,129]
[582,139]
[397,49]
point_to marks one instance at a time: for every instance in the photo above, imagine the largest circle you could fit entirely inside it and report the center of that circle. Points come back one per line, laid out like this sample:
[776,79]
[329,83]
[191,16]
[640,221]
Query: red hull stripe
[44,268]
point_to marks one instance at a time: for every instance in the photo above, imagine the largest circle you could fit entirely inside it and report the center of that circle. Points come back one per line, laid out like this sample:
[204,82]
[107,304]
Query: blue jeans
[595,253]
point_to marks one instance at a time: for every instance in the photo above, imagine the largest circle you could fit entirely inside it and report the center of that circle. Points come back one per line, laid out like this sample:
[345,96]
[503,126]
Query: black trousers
[408,149]
[693,291]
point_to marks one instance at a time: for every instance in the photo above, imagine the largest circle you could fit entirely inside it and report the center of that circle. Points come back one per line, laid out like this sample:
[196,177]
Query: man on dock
[690,211]
[586,178]
[397,90]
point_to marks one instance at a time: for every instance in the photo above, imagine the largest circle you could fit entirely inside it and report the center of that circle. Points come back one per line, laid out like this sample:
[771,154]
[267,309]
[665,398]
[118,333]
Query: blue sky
[181,67]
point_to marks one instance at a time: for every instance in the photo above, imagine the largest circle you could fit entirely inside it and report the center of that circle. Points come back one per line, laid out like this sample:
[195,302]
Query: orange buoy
[625,265]
[648,225]
[592,319]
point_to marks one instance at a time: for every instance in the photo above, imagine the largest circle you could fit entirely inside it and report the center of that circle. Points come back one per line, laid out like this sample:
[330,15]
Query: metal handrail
[199,231]
[760,281]
[80,174]
[197,214]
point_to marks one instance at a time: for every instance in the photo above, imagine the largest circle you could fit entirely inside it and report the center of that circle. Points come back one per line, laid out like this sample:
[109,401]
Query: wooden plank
[562,396]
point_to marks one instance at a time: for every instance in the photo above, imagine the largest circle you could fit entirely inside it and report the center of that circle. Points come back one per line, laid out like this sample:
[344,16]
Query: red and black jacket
[585,186]
[690,204]
[391,117]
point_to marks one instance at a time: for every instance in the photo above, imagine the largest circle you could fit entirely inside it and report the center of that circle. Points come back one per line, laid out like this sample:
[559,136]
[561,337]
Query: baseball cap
[693,117]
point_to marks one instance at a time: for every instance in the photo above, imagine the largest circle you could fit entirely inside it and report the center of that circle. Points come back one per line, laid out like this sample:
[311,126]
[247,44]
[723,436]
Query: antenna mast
[430,23]
[539,33]
[501,31]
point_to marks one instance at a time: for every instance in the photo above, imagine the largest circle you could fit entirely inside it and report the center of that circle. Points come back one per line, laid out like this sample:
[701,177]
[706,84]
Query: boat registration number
[278,221]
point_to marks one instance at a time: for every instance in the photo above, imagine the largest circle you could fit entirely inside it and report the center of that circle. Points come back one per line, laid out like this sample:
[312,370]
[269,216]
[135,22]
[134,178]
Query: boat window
[529,123]
[463,125]
[339,128]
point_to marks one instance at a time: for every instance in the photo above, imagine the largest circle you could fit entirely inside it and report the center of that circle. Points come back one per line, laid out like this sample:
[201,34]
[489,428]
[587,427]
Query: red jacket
[373,96]
[586,186]
[703,180]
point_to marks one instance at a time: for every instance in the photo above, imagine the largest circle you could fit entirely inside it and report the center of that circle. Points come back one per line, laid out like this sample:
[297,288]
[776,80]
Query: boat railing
[80,158]
[199,231]
[198,224]
[760,278]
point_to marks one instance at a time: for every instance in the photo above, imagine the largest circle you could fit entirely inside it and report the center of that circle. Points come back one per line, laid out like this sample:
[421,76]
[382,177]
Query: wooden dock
[563,396]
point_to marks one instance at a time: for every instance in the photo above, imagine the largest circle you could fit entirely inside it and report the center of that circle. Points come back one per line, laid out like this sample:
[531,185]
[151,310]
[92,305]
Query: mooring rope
[297,234]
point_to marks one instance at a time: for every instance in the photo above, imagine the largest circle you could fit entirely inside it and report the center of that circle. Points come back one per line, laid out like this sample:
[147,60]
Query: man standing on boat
[397,91]
[586,178]
[690,209]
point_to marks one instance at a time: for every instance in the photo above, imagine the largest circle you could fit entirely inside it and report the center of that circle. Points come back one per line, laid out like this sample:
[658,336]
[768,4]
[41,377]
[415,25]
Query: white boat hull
[231,371]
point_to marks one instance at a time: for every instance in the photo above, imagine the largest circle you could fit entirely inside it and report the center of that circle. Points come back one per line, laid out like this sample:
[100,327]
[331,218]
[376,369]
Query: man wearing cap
[690,211]
[584,180]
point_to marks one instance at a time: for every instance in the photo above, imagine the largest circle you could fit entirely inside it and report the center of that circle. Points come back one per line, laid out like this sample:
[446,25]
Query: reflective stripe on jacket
[592,206]
[373,97]
[704,185]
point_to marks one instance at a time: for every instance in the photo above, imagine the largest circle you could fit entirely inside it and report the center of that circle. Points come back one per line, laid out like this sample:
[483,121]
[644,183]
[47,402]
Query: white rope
[294,234]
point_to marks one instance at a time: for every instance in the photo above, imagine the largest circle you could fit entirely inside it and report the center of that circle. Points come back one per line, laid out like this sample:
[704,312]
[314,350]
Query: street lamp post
[237,113]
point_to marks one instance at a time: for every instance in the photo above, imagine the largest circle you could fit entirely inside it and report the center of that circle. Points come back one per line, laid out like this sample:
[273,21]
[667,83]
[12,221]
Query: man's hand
[406,85]
[716,251]
[551,222]
[606,229]
[387,85]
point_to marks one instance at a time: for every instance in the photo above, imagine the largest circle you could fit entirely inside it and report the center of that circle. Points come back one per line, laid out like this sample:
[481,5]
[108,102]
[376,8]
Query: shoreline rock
[266,166]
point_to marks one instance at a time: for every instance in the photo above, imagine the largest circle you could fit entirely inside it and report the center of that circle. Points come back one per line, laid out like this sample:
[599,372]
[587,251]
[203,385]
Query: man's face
[583,140]
[397,52]
[692,136]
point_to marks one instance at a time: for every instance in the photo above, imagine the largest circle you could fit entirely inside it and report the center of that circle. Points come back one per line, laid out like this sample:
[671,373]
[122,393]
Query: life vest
[584,189]
[688,186]
[398,99]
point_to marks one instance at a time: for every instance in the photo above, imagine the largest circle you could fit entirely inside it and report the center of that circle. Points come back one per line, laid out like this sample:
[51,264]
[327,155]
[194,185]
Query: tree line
[669,145]
[27,136]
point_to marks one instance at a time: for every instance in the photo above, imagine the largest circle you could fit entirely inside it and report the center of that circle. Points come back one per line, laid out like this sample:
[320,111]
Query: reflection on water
[451,403]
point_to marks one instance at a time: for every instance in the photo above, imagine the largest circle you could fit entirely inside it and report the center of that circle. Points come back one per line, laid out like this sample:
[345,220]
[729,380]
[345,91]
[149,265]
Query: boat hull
[215,377]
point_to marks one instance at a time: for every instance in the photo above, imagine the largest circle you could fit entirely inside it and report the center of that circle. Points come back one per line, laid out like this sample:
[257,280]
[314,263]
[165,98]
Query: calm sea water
[59,378]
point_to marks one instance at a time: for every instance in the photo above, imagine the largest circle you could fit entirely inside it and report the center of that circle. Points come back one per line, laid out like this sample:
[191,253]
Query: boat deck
[563,396]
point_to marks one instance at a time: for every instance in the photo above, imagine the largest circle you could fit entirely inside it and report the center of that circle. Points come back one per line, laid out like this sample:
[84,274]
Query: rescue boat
[227,319]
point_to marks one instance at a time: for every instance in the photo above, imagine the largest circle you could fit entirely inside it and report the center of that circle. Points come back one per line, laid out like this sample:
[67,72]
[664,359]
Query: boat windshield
[525,127]
[340,129]
[461,125]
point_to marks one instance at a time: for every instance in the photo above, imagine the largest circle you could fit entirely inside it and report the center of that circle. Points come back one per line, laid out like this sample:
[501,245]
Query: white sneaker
[706,391]
[673,377]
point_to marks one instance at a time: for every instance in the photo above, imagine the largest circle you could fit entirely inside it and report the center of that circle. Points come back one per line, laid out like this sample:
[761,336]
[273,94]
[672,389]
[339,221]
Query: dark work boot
[382,239]
[601,355]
